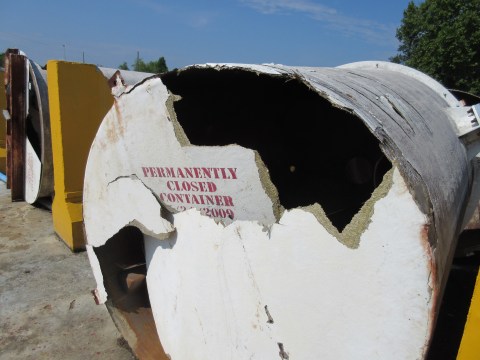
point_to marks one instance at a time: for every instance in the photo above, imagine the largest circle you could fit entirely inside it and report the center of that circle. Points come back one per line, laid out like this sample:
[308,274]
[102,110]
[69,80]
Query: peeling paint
[179,133]
[268,186]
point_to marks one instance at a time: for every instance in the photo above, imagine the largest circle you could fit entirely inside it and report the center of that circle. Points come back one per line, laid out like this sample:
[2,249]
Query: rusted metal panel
[8,135]
[4,116]
[17,78]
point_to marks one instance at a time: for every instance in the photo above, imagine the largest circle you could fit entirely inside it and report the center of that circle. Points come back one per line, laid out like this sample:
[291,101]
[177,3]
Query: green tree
[2,59]
[158,66]
[155,67]
[123,66]
[442,38]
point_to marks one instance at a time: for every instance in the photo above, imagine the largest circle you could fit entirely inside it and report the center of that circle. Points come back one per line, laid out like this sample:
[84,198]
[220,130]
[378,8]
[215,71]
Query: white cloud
[350,26]
[272,6]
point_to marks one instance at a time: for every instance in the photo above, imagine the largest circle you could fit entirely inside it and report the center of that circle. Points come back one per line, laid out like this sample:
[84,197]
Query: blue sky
[290,32]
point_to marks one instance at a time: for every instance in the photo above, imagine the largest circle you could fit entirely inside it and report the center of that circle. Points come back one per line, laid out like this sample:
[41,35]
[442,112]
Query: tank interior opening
[315,152]
[122,261]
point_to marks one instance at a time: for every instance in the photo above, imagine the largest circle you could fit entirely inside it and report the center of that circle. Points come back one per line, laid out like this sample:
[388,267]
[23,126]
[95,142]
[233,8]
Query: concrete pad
[47,310]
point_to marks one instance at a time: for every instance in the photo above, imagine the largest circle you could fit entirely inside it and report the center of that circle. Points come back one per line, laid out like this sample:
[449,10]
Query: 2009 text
[212,212]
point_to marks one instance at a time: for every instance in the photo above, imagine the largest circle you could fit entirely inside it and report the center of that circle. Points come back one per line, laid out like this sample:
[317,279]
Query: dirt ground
[46,308]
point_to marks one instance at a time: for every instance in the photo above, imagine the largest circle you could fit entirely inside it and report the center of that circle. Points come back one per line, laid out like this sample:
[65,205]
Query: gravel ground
[46,308]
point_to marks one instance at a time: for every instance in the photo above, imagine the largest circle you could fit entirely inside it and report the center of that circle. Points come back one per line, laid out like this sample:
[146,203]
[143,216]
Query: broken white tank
[270,212]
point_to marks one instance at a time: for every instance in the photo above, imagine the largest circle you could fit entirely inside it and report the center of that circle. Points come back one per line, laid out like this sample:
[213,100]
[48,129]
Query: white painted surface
[134,205]
[209,285]
[33,171]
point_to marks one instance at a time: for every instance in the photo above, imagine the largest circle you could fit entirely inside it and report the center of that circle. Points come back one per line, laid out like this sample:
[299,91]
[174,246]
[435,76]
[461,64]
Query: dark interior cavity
[315,153]
[122,261]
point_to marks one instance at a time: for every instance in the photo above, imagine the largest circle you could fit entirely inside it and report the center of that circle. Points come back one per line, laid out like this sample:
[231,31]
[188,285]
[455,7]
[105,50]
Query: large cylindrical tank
[279,212]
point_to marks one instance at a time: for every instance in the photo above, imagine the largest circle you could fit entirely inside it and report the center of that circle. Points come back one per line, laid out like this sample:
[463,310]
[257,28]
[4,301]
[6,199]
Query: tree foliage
[155,67]
[2,59]
[123,66]
[442,38]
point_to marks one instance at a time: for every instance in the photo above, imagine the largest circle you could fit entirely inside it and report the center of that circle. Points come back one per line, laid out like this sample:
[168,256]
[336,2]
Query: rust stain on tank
[120,121]
[117,130]
[424,239]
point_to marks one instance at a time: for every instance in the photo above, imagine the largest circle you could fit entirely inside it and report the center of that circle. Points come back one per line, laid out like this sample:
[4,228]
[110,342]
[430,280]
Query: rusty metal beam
[8,135]
[16,91]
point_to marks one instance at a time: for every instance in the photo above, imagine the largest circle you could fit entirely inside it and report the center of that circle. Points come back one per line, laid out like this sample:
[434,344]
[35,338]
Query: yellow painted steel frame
[470,345]
[3,126]
[79,98]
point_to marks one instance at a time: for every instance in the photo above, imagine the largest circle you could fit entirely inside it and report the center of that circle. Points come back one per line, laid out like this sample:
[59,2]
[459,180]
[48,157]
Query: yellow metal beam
[470,345]
[79,98]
